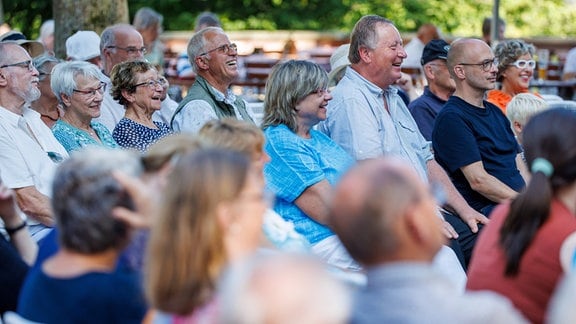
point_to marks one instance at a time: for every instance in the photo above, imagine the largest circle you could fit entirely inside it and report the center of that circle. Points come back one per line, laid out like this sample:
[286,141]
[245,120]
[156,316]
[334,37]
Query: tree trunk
[71,16]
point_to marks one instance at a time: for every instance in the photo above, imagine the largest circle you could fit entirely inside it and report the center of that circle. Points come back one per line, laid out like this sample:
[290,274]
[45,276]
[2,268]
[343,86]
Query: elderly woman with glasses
[47,105]
[138,86]
[515,69]
[79,89]
[305,164]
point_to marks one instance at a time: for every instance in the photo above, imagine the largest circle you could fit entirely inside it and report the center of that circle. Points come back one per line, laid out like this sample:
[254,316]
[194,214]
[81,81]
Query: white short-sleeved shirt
[24,157]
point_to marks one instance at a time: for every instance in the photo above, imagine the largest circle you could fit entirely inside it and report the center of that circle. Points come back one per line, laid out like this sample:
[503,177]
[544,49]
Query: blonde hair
[523,106]
[186,250]
[233,134]
[168,149]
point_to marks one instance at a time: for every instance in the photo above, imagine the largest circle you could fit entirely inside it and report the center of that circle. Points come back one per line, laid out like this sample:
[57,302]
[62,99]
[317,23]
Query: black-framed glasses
[130,50]
[320,92]
[90,94]
[485,65]
[24,64]
[151,83]
[223,49]
[522,64]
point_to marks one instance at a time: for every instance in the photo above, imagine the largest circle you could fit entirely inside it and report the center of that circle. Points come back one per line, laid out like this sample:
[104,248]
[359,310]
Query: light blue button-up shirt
[358,121]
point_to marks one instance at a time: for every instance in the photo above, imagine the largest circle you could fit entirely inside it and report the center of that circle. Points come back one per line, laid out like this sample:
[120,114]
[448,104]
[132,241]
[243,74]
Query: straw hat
[33,48]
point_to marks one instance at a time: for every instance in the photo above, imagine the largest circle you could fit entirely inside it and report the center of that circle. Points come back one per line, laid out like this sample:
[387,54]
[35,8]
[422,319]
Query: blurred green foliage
[525,18]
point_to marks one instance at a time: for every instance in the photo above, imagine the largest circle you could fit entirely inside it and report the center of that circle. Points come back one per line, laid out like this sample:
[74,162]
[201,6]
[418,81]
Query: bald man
[472,139]
[385,216]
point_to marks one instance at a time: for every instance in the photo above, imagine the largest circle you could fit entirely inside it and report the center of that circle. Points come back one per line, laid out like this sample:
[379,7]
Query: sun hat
[83,45]
[338,62]
[33,48]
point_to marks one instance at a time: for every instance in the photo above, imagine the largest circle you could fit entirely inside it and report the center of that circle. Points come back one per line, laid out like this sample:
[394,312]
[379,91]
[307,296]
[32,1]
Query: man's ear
[517,127]
[365,54]
[3,79]
[201,62]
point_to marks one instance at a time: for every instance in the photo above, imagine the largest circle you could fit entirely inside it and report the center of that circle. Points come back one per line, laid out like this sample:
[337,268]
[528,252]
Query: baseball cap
[435,49]
[338,61]
[33,48]
[83,45]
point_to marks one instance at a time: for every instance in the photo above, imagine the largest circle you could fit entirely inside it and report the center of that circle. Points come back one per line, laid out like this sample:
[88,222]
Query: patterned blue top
[73,138]
[130,134]
[296,164]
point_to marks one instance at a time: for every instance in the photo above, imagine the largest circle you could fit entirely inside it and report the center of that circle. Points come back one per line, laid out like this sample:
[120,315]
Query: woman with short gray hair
[79,88]
[515,69]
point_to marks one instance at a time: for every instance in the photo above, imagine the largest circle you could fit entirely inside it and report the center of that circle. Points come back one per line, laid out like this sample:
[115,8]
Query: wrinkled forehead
[12,53]
[216,38]
[129,38]
[388,34]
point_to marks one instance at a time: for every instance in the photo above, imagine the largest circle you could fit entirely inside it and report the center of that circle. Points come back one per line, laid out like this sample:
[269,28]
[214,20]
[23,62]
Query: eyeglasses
[223,49]
[90,94]
[131,50]
[26,65]
[151,84]
[320,92]
[522,64]
[485,65]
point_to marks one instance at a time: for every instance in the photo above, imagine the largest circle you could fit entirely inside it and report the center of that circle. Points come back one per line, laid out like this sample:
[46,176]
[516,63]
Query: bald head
[373,209]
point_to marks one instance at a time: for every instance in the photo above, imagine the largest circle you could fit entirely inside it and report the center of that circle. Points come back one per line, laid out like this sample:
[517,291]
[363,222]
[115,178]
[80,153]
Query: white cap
[83,45]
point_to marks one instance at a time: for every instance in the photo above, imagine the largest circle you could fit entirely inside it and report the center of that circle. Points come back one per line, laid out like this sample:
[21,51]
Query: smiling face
[387,56]
[312,109]
[516,80]
[146,96]
[220,64]
[82,103]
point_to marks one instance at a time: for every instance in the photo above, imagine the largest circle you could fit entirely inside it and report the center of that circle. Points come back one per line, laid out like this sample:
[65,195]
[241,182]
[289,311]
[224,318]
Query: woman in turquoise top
[305,164]
[79,89]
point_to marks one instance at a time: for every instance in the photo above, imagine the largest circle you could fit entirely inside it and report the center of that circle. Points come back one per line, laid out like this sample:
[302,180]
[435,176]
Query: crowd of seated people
[119,204]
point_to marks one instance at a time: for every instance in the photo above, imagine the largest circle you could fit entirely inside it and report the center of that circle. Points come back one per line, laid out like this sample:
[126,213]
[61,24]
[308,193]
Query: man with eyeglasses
[440,86]
[472,138]
[368,119]
[120,43]
[215,62]
[29,152]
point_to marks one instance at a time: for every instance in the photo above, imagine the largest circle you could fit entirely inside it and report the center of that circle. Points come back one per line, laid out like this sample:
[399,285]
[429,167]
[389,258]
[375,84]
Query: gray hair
[509,51]
[41,61]
[64,76]
[146,18]
[197,44]
[85,192]
[364,34]
[287,85]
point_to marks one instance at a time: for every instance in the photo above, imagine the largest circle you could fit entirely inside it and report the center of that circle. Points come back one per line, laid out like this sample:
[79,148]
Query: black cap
[435,49]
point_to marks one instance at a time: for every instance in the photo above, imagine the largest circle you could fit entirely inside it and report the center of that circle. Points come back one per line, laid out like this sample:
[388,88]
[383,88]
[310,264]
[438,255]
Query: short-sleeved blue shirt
[296,164]
[464,134]
[130,134]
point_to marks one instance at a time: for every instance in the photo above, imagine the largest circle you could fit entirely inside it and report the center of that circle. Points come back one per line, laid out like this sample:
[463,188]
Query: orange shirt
[501,99]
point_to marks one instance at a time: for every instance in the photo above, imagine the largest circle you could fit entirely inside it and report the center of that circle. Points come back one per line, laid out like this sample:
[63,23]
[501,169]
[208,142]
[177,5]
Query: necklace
[52,118]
